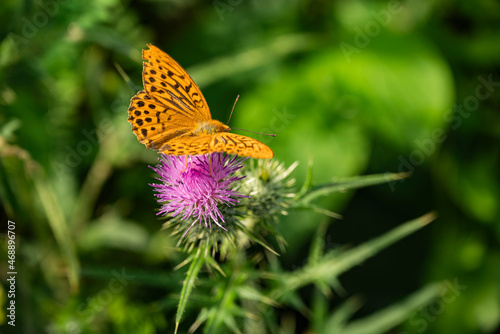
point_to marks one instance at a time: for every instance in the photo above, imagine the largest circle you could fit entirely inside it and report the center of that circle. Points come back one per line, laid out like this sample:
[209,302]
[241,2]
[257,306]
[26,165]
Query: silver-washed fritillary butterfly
[171,115]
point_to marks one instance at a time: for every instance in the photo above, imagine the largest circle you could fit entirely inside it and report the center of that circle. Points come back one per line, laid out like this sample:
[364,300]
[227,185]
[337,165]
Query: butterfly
[171,115]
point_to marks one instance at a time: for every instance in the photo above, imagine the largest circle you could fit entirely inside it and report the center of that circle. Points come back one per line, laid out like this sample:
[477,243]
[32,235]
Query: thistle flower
[269,188]
[270,191]
[197,186]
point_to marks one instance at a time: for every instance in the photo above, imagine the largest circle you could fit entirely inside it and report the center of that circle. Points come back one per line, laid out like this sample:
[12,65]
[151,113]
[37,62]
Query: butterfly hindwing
[221,142]
[241,145]
[188,145]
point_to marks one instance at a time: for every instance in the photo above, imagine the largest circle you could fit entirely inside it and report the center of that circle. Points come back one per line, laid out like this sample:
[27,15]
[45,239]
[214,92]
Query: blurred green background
[358,87]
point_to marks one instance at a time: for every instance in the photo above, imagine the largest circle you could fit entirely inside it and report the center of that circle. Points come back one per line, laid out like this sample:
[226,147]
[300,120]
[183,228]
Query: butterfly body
[210,127]
[171,115]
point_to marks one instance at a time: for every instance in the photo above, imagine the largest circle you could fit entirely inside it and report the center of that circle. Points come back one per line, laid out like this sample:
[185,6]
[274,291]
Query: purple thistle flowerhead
[196,187]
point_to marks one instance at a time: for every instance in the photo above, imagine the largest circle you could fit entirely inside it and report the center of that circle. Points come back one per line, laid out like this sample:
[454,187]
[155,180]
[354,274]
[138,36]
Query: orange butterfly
[171,115]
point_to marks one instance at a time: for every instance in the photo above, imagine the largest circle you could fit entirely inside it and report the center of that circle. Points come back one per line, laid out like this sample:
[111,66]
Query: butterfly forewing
[172,116]
[153,123]
[166,81]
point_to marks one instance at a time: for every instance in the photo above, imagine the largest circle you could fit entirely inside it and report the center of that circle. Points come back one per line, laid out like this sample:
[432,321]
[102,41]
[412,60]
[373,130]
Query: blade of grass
[226,67]
[99,172]
[50,204]
[59,226]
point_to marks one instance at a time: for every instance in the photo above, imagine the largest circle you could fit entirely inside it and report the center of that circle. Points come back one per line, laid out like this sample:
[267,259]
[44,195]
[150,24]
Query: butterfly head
[211,127]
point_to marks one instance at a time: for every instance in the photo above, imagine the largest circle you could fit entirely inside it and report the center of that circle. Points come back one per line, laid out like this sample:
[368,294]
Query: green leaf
[382,321]
[333,263]
[223,68]
[112,231]
[399,101]
[51,205]
[59,226]
[257,239]
[344,184]
[188,285]
[341,315]
[307,185]
[318,244]
[203,315]
[7,130]
[250,293]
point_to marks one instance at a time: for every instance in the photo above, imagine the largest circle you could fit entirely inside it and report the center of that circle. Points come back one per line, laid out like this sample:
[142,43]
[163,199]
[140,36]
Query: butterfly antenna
[231,114]
[125,77]
[234,105]
[259,133]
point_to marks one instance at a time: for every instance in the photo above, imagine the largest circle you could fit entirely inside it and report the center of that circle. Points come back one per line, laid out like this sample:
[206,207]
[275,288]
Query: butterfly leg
[187,157]
[210,164]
